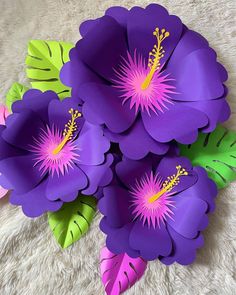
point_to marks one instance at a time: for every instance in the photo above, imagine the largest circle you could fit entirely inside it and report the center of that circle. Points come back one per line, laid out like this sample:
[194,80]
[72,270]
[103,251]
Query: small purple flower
[157,210]
[148,78]
[48,153]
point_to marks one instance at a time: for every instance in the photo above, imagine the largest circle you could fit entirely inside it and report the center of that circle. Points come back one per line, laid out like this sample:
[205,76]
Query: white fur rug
[31,262]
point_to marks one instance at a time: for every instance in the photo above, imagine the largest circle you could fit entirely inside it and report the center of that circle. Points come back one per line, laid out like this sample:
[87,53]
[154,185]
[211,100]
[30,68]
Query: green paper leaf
[216,152]
[72,220]
[15,93]
[45,60]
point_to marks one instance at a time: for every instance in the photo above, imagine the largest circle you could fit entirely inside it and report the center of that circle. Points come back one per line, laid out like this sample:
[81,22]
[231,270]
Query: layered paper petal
[136,143]
[179,121]
[108,106]
[100,58]
[34,202]
[141,24]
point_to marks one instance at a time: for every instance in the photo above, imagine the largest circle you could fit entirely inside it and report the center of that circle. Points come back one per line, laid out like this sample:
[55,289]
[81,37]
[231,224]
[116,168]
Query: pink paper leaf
[120,272]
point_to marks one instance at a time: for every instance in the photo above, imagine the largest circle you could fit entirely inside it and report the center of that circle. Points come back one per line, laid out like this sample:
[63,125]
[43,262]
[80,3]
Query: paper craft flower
[48,153]
[143,81]
[157,210]
[148,78]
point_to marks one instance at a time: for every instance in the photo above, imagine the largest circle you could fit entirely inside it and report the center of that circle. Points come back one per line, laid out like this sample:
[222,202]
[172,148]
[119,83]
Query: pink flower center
[152,197]
[55,151]
[147,88]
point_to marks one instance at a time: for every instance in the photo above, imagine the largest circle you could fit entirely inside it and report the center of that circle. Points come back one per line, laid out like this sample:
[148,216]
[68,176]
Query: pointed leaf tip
[15,93]
[72,220]
[120,272]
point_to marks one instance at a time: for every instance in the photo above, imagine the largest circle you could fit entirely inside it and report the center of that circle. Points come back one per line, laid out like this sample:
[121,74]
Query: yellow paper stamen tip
[155,56]
[170,183]
[70,128]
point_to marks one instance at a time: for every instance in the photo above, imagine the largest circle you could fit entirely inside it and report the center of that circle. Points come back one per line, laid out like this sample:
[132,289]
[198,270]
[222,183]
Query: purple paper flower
[157,210]
[48,153]
[148,78]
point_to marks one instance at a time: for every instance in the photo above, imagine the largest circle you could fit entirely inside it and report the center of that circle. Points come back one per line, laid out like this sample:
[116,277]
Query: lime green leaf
[72,220]
[16,92]
[45,60]
[216,152]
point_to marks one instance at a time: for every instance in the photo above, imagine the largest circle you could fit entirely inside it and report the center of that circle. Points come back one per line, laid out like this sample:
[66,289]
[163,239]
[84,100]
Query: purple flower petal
[177,122]
[87,25]
[99,193]
[5,183]
[58,112]
[70,197]
[91,144]
[206,186]
[190,41]
[76,68]
[128,171]
[92,114]
[188,215]
[167,167]
[217,111]
[149,241]
[22,128]
[197,76]
[97,175]
[36,101]
[104,226]
[223,72]
[35,93]
[21,173]
[141,25]
[118,241]
[61,186]
[115,205]
[136,143]
[188,137]
[184,250]
[108,105]
[106,53]
[21,104]
[120,14]
[34,203]
[7,150]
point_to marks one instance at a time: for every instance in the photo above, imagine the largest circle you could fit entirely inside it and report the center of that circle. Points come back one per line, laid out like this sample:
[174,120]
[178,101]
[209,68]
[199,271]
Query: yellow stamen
[169,184]
[155,56]
[70,128]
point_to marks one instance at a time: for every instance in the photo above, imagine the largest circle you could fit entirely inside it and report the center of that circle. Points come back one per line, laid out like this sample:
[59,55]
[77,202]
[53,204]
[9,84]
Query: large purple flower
[148,78]
[48,153]
[157,210]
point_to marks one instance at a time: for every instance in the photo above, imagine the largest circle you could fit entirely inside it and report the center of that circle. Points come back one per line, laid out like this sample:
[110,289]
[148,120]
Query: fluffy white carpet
[31,262]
